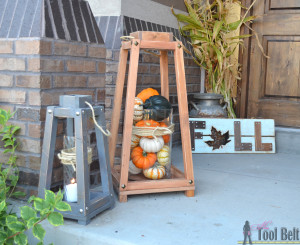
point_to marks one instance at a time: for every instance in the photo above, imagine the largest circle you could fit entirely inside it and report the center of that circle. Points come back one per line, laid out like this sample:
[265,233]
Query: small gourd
[135,140]
[147,93]
[133,169]
[159,107]
[163,156]
[152,145]
[138,109]
[142,159]
[155,172]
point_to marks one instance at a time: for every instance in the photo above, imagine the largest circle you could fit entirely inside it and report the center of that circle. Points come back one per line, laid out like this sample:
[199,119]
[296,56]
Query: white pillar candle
[71,192]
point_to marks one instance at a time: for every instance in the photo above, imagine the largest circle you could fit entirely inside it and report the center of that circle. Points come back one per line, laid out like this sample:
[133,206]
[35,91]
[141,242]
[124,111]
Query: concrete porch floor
[230,189]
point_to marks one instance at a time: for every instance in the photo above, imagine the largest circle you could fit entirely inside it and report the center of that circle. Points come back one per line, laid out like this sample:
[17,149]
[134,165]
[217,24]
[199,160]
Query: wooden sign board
[212,135]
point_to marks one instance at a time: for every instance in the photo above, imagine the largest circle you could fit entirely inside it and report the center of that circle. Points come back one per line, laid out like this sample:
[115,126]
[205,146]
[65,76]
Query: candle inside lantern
[71,191]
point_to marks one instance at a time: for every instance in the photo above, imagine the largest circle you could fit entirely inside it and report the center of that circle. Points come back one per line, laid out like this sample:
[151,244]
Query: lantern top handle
[74,101]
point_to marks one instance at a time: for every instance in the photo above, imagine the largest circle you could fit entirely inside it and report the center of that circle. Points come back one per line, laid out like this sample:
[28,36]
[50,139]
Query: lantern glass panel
[151,145]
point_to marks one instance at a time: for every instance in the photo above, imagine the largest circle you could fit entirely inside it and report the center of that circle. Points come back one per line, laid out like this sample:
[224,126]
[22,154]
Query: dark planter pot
[207,105]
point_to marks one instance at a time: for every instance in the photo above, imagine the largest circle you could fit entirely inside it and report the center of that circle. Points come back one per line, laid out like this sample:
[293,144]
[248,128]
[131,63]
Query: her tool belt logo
[266,235]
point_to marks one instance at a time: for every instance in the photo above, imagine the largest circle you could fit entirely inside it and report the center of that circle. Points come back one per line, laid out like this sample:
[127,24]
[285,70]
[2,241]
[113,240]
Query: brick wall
[149,76]
[33,73]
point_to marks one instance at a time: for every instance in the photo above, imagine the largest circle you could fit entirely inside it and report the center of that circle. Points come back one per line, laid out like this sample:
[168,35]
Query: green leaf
[234,25]
[31,198]
[39,232]
[21,239]
[40,243]
[219,56]
[63,206]
[3,237]
[31,222]
[11,219]
[49,197]
[56,219]
[16,226]
[40,204]
[15,129]
[27,213]
[59,196]
[217,28]
[18,194]
[2,205]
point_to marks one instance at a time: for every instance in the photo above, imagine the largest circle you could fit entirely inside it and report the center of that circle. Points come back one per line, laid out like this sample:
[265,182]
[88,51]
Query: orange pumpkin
[142,159]
[167,136]
[147,123]
[147,93]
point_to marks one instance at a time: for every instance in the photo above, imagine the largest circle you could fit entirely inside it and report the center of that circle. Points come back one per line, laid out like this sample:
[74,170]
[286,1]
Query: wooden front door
[274,84]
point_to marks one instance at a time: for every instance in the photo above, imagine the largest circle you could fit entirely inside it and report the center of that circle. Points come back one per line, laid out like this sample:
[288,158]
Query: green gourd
[160,107]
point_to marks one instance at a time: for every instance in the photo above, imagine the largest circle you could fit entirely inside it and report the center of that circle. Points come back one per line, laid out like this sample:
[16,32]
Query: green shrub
[12,226]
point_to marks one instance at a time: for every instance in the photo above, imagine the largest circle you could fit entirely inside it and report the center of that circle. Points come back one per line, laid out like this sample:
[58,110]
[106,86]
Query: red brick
[45,47]
[97,52]
[69,49]
[81,66]
[12,64]
[149,80]
[108,102]
[33,47]
[6,80]
[12,96]
[50,98]
[34,98]
[29,145]
[34,162]
[27,46]
[33,81]
[70,81]
[116,55]
[45,65]
[6,47]
[101,95]
[101,67]
[97,82]
[112,67]
[149,58]
[34,130]
[155,69]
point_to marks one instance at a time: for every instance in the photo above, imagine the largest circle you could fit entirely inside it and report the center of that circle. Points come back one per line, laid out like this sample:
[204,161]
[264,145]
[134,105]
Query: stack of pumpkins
[150,155]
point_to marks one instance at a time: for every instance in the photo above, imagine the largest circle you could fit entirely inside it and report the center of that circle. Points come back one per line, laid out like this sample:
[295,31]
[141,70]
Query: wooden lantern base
[123,182]
[138,184]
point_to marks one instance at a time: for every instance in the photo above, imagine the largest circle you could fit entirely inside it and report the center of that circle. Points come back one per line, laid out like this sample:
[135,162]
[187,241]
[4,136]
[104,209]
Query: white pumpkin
[152,145]
[163,156]
[133,169]
[155,172]
[138,109]
[135,140]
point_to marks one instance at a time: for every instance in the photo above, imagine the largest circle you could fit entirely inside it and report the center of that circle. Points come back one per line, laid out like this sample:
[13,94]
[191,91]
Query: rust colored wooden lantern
[178,181]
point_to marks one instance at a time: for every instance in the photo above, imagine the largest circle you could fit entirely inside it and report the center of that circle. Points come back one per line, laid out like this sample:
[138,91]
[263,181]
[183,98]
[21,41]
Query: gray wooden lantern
[75,111]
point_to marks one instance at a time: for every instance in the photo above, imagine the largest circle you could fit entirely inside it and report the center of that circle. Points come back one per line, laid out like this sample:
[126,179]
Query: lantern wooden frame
[76,112]
[162,42]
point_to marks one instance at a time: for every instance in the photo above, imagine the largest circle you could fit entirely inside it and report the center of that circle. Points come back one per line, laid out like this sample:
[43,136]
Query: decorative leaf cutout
[219,139]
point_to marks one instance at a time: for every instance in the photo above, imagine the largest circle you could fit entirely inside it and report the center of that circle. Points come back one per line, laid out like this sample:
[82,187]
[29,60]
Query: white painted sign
[212,135]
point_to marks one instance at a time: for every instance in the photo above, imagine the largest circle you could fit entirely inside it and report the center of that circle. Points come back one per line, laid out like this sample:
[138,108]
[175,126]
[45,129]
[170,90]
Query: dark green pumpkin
[160,107]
